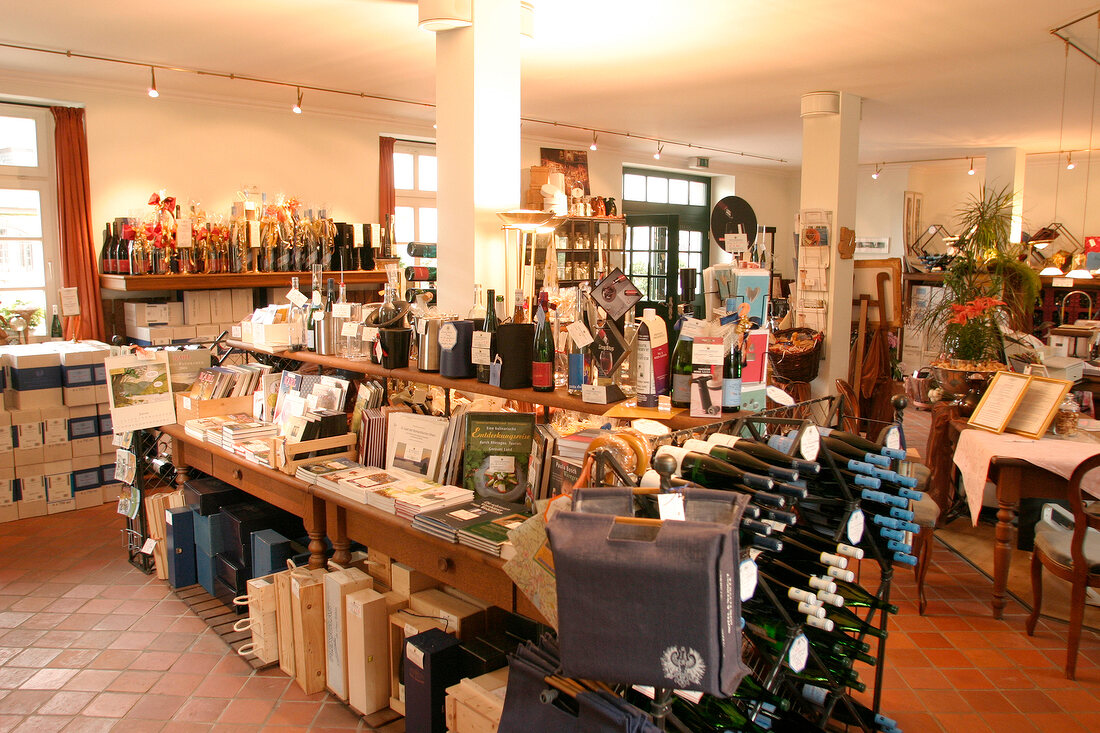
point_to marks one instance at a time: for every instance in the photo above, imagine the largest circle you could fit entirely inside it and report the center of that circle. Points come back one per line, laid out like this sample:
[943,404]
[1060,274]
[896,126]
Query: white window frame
[41,178]
[414,197]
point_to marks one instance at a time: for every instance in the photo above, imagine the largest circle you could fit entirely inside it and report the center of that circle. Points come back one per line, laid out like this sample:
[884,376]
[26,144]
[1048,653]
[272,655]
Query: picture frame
[872,245]
[865,281]
[998,404]
[1037,407]
[914,201]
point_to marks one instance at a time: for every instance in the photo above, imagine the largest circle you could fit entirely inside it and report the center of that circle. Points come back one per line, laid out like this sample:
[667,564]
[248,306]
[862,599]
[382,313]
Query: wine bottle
[122,248]
[845,620]
[849,711]
[842,450]
[542,367]
[420,274]
[731,380]
[818,678]
[315,307]
[748,463]
[779,572]
[715,474]
[764,452]
[107,254]
[799,550]
[421,249]
[477,310]
[681,365]
[825,544]
[388,312]
[809,443]
[55,326]
[297,321]
[518,314]
[856,596]
[867,446]
[707,716]
[489,325]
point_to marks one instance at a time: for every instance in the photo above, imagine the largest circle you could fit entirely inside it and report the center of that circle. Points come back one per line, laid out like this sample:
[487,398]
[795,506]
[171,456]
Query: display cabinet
[583,247]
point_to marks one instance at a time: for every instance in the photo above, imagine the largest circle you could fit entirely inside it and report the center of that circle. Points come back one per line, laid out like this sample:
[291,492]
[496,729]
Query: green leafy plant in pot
[988,287]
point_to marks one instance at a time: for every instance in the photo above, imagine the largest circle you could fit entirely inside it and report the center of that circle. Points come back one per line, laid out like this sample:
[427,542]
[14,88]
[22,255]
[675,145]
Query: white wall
[880,207]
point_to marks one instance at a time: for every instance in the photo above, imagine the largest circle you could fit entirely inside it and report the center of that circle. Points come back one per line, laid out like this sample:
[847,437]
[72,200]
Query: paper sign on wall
[70,301]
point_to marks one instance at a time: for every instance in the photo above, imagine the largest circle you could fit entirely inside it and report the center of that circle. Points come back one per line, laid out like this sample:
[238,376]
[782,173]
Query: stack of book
[236,432]
[197,427]
[312,472]
[491,535]
[385,499]
[256,451]
[446,523]
[409,505]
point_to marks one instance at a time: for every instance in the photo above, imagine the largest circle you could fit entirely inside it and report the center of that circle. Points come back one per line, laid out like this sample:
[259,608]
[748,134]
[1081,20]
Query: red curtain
[78,255]
[387,199]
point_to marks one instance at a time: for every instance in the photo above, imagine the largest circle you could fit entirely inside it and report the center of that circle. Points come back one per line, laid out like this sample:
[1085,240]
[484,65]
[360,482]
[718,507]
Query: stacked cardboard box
[55,436]
[201,315]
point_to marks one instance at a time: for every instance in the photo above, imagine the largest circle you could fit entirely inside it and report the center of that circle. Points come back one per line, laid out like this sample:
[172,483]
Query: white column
[830,154]
[478,147]
[1005,167]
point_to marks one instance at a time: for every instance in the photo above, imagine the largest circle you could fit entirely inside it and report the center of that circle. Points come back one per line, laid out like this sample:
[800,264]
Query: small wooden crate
[287,459]
[475,705]
[188,408]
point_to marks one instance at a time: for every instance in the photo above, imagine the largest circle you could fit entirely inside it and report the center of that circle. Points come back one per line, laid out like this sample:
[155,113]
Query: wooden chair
[1072,555]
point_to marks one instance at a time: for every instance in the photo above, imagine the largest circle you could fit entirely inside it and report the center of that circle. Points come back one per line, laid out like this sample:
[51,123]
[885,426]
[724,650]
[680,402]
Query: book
[489,535]
[563,474]
[497,454]
[439,497]
[414,442]
[446,523]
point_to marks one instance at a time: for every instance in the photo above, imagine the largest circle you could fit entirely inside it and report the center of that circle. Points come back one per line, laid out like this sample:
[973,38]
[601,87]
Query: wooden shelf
[143,283]
[559,398]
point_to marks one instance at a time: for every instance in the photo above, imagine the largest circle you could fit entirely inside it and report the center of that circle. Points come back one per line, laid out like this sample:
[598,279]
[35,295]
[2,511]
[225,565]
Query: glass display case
[580,248]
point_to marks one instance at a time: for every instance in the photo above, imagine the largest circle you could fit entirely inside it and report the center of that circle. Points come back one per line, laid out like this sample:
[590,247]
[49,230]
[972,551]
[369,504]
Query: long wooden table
[474,572]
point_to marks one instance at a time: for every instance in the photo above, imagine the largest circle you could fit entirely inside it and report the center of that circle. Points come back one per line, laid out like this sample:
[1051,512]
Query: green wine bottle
[55,326]
[542,367]
[489,326]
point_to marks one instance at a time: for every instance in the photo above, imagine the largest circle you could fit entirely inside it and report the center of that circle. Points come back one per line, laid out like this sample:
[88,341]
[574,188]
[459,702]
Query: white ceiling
[938,78]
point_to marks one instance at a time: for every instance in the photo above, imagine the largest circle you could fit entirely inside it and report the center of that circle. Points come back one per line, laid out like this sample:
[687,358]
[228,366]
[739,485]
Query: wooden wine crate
[307,608]
[289,456]
[337,586]
[191,409]
[368,657]
[475,705]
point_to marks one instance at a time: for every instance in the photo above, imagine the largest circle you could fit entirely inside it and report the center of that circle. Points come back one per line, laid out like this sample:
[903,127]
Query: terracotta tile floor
[88,643]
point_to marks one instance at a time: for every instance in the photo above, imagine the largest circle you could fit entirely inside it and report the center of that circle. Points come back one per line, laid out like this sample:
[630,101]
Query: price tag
[341,310]
[580,334]
[350,328]
[297,298]
[318,316]
[693,327]
[799,651]
[149,546]
[689,695]
[448,336]
[370,333]
[707,350]
[671,506]
[316,300]
[481,347]
[855,526]
[748,574]
[422,326]
[183,233]
[737,242]
[415,655]
[494,372]
[779,396]
[254,234]
[595,394]
[70,301]
[1062,282]
[810,444]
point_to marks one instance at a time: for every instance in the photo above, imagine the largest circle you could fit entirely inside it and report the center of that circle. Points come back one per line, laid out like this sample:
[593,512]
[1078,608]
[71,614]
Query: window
[656,252]
[29,252]
[415,183]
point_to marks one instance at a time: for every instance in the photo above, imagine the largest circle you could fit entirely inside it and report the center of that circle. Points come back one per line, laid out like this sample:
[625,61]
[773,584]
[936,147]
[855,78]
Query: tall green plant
[987,264]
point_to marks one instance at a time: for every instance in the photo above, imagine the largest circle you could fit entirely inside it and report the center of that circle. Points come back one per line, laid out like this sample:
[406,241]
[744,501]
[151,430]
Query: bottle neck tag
[494,371]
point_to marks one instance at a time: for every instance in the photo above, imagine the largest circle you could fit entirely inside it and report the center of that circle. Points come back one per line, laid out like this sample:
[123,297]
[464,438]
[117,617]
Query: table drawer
[289,498]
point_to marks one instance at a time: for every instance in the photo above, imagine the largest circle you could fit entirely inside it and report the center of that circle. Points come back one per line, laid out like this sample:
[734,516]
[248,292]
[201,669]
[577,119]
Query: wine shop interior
[542,365]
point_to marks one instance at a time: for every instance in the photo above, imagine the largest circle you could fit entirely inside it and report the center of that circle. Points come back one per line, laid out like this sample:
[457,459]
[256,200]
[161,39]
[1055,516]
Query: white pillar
[1005,167]
[830,155]
[478,147]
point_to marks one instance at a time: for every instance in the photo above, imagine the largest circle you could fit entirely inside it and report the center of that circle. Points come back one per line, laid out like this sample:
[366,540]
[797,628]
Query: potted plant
[988,288]
[18,317]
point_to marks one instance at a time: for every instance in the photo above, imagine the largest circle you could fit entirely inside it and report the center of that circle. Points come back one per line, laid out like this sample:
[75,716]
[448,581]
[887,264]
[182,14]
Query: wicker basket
[796,360]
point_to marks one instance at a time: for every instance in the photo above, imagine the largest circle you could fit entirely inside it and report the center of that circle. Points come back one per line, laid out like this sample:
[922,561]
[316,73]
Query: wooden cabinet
[583,246]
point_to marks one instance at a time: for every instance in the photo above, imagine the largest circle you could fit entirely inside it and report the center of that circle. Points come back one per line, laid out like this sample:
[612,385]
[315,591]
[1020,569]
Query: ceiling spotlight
[660,147]
[593,145]
[971,171]
[153,83]
[1070,165]
[875,174]
[297,108]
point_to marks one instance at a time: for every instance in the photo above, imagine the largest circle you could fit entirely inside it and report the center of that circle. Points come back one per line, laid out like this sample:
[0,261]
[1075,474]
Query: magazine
[498,454]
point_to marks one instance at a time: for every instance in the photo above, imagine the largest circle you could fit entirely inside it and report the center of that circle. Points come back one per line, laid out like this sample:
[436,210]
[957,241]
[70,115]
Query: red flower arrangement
[976,308]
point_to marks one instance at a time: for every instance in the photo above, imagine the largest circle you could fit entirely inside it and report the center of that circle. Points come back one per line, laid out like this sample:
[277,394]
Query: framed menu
[1037,408]
[1001,398]
[1023,404]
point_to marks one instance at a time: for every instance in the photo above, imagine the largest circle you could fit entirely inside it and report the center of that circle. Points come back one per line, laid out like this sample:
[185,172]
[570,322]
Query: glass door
[652,260]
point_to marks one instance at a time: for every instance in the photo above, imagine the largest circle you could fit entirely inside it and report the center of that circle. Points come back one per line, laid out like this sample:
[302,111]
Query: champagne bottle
[856,596]
[731,380]
[489,325]
[825,544]
[421,249]
[748,463]
[55,326]
[845,620]
[388,311]
[542,368]
[719,452]
[122,248]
